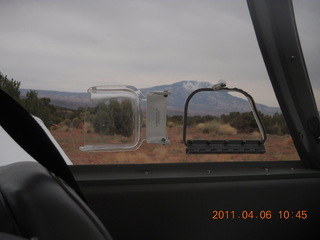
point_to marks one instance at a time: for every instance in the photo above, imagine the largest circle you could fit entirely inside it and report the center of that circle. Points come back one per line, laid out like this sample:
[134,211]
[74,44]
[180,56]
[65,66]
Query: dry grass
[87,128]
[216,128]
[255,135]
[226,129]
[208,127]
[170,124]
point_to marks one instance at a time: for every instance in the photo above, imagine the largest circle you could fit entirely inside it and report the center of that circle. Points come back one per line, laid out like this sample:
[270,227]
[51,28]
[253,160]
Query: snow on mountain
[190,86]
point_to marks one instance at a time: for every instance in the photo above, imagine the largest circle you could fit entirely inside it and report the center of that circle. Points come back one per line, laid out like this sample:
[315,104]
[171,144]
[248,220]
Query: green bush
[114,118]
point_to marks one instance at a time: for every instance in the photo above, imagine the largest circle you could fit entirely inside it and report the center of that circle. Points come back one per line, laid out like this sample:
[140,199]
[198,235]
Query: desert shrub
[67,122]
[75,122]
[87,127]
[63,128]
[54,126]
[11,87]
[170,124]
[176,119]
[226,129]
[244,122]
[114,118]
[281,123]
[208,127]
[200,126]
[216,128]
[103,123]
[57,119]
[80,126]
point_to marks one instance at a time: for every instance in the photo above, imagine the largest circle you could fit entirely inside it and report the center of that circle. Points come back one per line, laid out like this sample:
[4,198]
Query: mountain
[204,103]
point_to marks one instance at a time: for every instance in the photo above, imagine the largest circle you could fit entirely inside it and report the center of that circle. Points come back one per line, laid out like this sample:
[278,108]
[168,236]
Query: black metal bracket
[224,146]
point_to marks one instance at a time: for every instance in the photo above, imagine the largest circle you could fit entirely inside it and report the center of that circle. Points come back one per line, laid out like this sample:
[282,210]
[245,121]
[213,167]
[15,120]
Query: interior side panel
[185,210]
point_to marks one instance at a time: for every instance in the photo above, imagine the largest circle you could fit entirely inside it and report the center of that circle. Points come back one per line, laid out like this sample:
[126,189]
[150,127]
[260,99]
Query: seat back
[38,204]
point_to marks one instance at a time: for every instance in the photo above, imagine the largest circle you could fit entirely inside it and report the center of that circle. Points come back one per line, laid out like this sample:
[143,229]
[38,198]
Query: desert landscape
[278,148]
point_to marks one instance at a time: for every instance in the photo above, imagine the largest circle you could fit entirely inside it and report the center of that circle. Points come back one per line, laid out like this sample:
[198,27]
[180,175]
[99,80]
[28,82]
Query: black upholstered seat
[34,203]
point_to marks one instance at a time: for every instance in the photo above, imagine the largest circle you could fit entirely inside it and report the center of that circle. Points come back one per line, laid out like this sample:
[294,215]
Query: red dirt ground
[278,148]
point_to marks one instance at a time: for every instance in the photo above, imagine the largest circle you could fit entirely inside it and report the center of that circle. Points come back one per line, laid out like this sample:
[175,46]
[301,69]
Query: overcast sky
[73,45]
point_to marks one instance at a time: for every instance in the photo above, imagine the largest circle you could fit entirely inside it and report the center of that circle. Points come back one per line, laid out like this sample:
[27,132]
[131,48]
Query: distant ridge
[71,100]
[206,103]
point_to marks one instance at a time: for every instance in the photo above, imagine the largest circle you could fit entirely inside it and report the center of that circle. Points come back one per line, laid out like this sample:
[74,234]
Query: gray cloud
[72,45]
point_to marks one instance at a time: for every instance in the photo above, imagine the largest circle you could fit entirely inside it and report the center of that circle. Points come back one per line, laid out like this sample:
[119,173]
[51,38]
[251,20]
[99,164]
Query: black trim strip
[278,38]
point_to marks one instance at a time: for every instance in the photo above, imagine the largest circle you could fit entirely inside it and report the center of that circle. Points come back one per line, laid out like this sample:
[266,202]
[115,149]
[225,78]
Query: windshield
[177,45]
